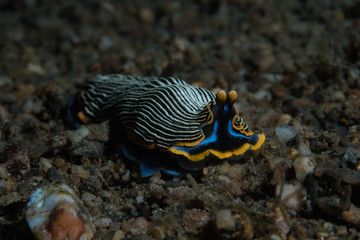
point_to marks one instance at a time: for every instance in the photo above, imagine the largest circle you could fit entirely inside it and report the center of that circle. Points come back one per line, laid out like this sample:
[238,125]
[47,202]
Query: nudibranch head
[227,135]
[165,119]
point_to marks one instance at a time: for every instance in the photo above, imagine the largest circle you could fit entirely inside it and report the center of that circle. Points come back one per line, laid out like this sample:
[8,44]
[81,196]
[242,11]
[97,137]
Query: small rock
[303,166]
[10,184]
[194,219]
[352,92]
[224,220]
[98,132]
[263,94]
[284,119]
[59,162]
[341,230]
[4,173]
[138,226]
[59,140]
[273,163]
[269,119]
[286,133]
[292,195]
[93,185]
[139,199]
[17,160]
[118,235]
[44,165]
[181,44]
[303,149]
[281,221]
[80,171]
[105,42]
[147,15]
[54,175]
[28,106]
[176,195]
[79,134]
[35,68]
[294,154]
[102,222]
[352,215]
[5,80]
[89,149]
[87,197]
[350,156]
[332,206]
[24,188]
[337,96]
[159,232]
[278,90]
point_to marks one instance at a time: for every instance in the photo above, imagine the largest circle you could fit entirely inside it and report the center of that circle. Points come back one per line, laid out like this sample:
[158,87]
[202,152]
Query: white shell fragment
[55,212]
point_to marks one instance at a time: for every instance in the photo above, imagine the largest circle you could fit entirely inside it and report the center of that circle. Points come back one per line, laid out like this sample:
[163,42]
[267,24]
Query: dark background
[292,62]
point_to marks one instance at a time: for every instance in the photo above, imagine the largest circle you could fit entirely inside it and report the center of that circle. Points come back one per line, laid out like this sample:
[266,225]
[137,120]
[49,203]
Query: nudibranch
[168,124]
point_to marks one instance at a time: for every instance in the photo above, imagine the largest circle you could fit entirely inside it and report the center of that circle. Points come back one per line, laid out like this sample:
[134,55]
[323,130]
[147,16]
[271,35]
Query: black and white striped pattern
[160,111]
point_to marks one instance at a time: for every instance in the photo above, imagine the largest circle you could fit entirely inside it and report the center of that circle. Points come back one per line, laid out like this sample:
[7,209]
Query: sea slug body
[166,124]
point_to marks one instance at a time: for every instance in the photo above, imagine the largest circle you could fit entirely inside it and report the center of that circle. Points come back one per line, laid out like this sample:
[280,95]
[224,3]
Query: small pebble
[278,90]
[103,222]
[59,162]
[341,230]
[269,119]
[118,235]
[79,134]
[10,184]
[159,232]
[194,219]
[294,154]
[105,42]
[292,195]
[303,149]
[139,199]
[54,175]
[284,119]
[273,163]
[4,173]
[35,68]
[138,225]
[147,15]
[352,215]
[337,96]
[17,159]
[44,165]
[80,171]
[286,133]
[224,220]
[24,188]
[263,94]
[89,149]
[350,156]
[181,44]
[5,80]
[303,166]
[87,197]
[281,220]
[28,106]
[98,132]
[275,237]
